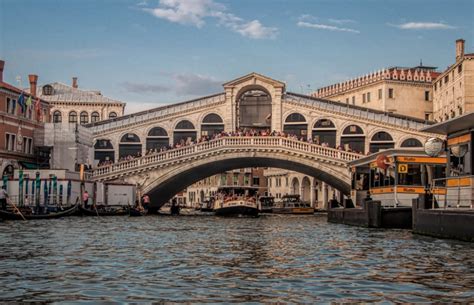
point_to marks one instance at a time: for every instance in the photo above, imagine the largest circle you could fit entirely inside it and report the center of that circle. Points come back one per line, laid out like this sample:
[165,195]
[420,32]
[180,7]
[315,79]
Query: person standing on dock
[3,197]
[85,198]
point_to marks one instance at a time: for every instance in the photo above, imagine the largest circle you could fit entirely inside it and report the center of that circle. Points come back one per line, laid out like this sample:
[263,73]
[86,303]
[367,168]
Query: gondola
[105,210]
[7,215]
[134,212]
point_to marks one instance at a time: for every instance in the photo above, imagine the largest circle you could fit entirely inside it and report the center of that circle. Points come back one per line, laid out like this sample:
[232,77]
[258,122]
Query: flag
[21,102]
[28,101]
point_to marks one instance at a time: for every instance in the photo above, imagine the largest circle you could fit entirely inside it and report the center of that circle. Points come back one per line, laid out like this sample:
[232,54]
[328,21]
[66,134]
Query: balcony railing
[290,145]
[453,192]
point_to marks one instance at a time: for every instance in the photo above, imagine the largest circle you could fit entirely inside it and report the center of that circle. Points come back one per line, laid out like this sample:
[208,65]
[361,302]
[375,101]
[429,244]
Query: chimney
[2,64]
[74,82]
[459,49]
[33,80]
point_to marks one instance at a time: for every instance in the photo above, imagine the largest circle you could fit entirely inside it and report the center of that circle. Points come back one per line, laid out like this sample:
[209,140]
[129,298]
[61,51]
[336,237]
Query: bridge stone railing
[222,143]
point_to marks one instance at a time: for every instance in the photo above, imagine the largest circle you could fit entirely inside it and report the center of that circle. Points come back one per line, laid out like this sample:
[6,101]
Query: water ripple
[219,260]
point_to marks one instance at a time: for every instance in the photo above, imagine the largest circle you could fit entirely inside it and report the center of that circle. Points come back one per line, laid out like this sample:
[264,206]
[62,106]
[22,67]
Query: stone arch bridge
[254,102]
[164,174]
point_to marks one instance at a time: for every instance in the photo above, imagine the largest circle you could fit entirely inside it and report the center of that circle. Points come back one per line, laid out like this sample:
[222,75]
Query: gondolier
[3,197]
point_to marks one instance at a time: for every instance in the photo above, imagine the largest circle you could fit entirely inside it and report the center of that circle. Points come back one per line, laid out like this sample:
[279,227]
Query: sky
[149,53]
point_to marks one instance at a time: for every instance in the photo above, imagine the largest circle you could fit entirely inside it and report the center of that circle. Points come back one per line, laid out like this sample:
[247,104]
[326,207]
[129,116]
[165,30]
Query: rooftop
[463,122]
[65,93]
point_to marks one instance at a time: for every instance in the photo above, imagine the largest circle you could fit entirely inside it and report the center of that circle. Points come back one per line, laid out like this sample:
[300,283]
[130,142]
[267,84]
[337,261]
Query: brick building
[19,124]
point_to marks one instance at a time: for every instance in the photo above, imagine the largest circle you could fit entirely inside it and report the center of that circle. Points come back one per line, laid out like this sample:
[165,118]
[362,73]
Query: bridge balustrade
[227,142]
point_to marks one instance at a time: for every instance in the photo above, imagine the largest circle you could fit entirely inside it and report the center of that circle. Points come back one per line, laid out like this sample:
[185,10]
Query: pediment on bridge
[254,78]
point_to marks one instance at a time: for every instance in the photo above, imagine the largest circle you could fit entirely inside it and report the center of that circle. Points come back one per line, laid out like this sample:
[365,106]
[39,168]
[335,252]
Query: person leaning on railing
[241,132]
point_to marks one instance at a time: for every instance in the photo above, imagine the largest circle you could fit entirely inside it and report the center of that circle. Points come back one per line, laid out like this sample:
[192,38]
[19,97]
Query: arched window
[112,115]
[84,117]
[104,150]
[184,132]
[48,90]
[72,117]
[211,124]
[57,118]
[411,142]
[353,139]
[324,131]
[295,124]
[381,140]
[295,118]
[157,138]
[95,117]
[130,145]
[254,109]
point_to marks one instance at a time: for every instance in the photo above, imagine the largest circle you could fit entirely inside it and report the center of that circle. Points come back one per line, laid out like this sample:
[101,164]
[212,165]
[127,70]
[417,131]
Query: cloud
[145,88]
[254,29]
[183,84]
[196,12]
[423,26]
[341,21]
[196,84]
[320,26]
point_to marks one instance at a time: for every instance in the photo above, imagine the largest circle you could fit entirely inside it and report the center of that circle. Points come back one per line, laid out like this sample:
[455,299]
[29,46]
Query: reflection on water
[197,259]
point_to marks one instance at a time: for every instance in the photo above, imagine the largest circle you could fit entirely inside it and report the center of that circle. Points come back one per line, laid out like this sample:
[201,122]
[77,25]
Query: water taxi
[236,201]
[395,176]
[291,204]
[266,203]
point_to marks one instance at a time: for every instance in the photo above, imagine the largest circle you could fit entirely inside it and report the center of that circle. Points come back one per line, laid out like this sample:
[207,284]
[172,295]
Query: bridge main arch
[162,187]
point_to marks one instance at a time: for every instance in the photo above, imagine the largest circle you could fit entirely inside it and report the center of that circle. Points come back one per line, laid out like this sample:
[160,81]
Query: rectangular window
[10,143]
[368,97]
[11,106]
[347,100]
[363,98]
[446,79]
[460,68]
[427,95]
[353,100]
[380,94]
[390,92]
[256,181]
[236,179]
[427,116]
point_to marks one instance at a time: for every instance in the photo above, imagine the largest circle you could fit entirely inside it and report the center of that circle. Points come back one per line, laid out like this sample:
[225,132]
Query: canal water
[209,259]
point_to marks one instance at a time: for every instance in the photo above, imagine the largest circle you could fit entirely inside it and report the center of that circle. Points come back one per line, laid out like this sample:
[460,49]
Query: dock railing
[453,192]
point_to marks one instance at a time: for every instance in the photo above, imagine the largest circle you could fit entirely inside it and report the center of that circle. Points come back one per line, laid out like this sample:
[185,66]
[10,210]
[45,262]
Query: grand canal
[210,259]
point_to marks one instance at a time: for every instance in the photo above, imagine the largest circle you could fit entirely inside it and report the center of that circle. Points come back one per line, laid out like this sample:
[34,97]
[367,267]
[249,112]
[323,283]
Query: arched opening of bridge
[324,131]
[381,140]
[104,150]
[130,145]
[157,138]
[295,124]
[163,188]
[212,124]
[353,138]
[184,132]
[411,142]
[254,109]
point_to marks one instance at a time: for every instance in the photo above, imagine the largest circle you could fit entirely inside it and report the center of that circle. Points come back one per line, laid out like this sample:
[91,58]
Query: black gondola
[7,215]
[134,212]
[105,210]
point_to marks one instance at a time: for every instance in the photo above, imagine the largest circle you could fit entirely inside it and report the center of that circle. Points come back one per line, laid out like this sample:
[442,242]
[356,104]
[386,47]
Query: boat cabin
[395,176]
[293,201]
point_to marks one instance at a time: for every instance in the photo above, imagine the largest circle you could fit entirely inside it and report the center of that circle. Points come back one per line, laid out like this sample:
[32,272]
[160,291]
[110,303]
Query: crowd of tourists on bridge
[242,132]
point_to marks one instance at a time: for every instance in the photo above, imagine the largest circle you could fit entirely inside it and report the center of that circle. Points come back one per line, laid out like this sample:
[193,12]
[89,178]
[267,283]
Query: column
[325,195]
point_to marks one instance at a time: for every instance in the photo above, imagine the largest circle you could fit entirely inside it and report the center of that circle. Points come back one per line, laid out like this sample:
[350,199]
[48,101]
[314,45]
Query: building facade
[282,182]
[21,119]
[74,105]
[453,90]
[405,91]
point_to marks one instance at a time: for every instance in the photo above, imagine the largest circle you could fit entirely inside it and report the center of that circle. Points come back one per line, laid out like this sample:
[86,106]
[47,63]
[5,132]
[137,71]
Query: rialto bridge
[253,101]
